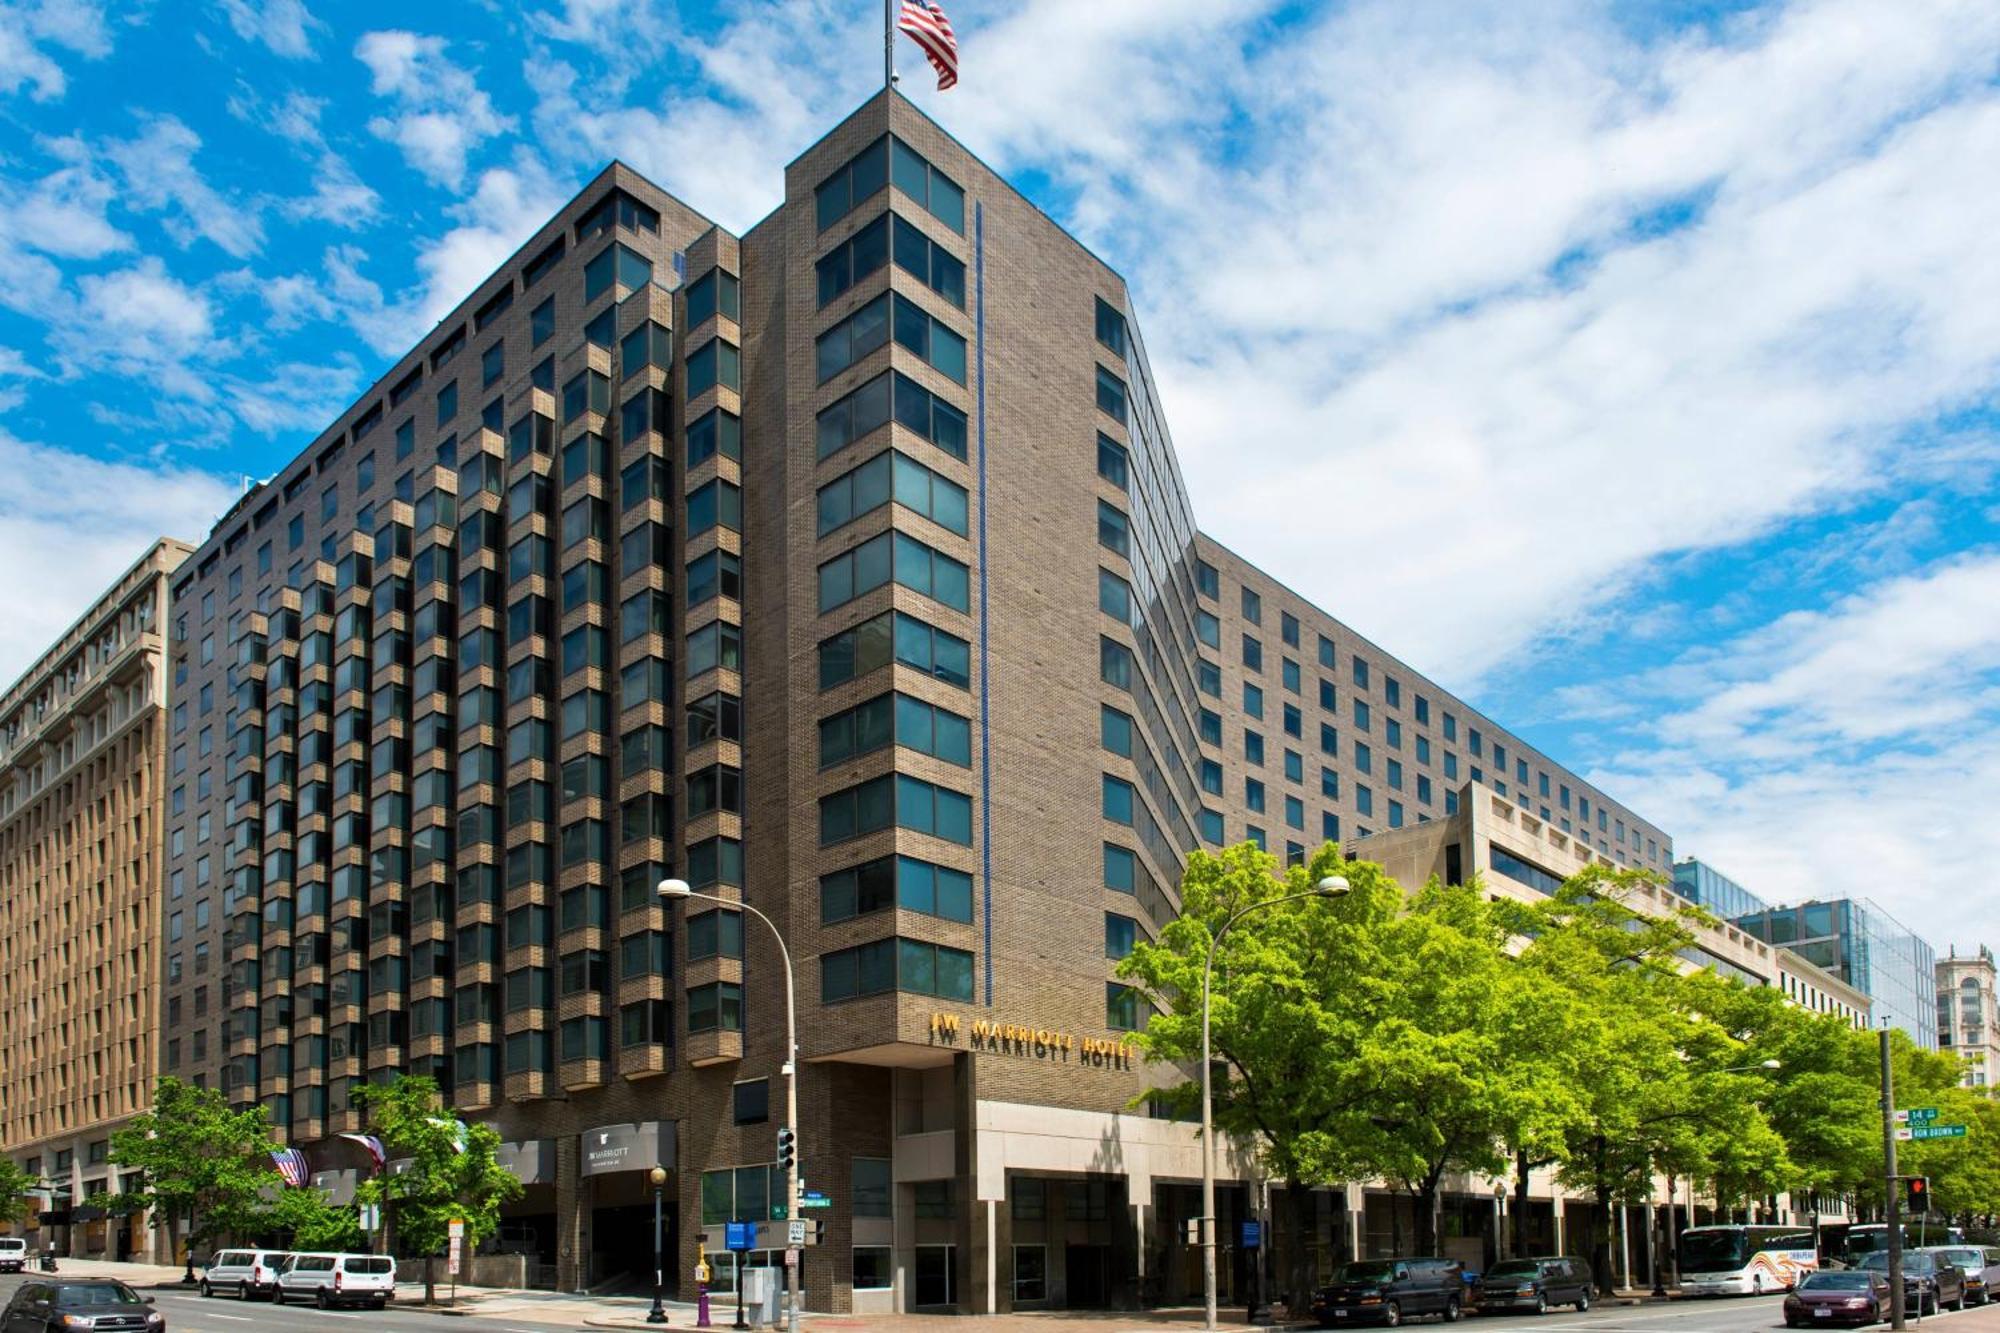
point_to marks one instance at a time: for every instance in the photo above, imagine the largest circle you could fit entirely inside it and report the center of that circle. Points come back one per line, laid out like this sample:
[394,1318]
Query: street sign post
[795,1233]
[1916,1115]
[815,1200]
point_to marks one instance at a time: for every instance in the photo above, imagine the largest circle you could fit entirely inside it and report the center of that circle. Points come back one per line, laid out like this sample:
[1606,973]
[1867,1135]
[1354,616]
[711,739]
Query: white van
[338,1279]
[13,1254]
[251,1274]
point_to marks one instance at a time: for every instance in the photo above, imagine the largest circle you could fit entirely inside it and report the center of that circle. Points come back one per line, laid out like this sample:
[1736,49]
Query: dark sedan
[1849,1296]
[101,1306]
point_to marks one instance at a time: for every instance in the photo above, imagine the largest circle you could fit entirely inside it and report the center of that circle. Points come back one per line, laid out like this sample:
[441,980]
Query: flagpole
[888,43]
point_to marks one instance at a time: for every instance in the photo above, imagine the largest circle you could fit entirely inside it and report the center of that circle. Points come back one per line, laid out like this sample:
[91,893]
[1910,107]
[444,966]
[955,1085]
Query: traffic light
[1917,1194]
[788,1149]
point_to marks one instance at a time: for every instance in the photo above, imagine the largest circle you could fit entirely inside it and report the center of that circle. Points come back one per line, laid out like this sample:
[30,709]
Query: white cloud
[1837,752]
[27,27]
[69,524]
[285,26]
[442,116]
[505,208]
[339,196]
[63,214]
[142,321]
[160,175]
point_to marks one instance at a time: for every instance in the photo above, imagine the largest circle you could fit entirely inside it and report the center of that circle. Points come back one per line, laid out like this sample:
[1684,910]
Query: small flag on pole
[926,23]
[292,1165]
[372,1144]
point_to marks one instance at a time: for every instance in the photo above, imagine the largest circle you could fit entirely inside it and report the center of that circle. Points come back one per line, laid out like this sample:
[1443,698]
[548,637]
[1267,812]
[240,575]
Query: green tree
[1459,1051]
[453,1172]
[14,1186]
[1282,1012]
[201,1165]
[310,1221]
[1636,1052]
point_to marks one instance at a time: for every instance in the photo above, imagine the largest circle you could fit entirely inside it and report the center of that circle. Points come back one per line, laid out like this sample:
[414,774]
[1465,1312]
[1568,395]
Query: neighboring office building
[1805,982]
[1715,892]
[567,603]
[83,745]
[1968,1023]
[1868,949]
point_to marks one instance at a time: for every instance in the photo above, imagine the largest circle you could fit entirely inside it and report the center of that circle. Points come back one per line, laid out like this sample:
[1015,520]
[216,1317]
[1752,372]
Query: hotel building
[842,568]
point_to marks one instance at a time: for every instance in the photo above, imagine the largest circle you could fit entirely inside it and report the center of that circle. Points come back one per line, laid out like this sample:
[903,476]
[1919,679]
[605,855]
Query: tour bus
[1745,1260]
[1865,1238]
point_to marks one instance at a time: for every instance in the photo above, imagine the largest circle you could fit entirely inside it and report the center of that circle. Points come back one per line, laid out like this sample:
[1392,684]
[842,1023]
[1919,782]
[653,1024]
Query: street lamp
[678,888]
[658,1314]
[1333,886]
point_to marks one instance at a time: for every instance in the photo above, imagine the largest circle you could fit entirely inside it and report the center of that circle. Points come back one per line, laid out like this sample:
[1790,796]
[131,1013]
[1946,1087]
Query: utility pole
[1892,1209]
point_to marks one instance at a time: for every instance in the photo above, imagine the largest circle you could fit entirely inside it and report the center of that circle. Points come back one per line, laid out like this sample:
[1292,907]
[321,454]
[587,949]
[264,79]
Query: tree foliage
[15,1183]
[311,1221]
[452,1173]
[199,1162]
[1404,1037]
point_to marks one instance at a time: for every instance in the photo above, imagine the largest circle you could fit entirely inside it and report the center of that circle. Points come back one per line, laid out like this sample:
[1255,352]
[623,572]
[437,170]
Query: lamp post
[1333,886]
[678,888]
[1499,1227]
[658,1314]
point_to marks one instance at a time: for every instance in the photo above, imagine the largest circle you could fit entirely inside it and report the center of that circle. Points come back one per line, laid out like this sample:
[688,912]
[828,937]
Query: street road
[187,1312]
[1741,1314]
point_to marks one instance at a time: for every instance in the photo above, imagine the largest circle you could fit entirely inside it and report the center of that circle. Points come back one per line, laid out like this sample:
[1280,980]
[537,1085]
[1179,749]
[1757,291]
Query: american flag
[292,1165]
[372,1144]
[925,22]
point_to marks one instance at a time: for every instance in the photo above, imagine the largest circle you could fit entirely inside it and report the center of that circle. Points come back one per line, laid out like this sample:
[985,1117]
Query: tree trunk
[1598,1238]
[1519,1222]
[430,1279]
[1424,1198]
[1296,1245]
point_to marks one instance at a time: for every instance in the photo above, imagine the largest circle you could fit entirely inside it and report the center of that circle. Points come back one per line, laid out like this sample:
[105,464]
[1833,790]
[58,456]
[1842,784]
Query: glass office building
[1866,947]
[1708,887]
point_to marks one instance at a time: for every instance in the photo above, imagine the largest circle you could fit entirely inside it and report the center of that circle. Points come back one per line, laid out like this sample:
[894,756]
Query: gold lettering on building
[1035,1043]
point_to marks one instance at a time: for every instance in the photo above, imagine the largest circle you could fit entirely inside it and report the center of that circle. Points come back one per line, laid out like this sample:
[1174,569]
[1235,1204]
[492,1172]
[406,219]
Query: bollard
[701,1306]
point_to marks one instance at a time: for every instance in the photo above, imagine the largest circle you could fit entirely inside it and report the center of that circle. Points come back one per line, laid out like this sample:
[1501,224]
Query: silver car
[1982,1268]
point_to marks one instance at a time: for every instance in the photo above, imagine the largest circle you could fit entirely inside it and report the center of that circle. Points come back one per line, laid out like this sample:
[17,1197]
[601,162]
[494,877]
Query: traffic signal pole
[1892,1211]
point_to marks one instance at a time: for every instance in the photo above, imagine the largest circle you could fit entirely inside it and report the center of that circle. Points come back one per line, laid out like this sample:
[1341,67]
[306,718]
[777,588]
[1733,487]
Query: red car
[1846,1296]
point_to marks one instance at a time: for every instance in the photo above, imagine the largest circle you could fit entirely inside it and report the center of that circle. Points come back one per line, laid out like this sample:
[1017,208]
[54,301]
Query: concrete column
[1356,1218]
[992,1259]
[1556,1205]
[1139,1241]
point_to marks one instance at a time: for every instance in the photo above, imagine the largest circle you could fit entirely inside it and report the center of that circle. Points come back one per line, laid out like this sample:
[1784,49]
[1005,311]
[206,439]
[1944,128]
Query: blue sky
[1629,367]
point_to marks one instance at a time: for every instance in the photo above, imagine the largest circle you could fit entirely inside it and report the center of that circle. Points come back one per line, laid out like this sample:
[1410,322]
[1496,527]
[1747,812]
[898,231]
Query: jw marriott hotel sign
[983,1034]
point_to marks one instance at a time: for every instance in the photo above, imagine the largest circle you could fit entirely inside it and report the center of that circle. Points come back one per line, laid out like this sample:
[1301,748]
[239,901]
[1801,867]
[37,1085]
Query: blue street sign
[740,1236]
[1253,1235]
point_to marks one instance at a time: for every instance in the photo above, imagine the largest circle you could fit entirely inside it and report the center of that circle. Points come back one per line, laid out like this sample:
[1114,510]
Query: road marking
[233,1318]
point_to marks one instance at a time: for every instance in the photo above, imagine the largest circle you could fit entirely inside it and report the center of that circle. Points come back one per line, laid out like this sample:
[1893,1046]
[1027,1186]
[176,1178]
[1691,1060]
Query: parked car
[13,1254]
[251,1274]
[1981,1265]
[1388,1291]
[1535,1284]
[1857,1296]
[44,1307]
[337,1279]
[1929,1283]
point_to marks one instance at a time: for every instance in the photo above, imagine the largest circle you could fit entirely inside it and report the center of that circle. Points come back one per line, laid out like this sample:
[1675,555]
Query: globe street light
[679,888]
[658,1314]
[1333,886]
